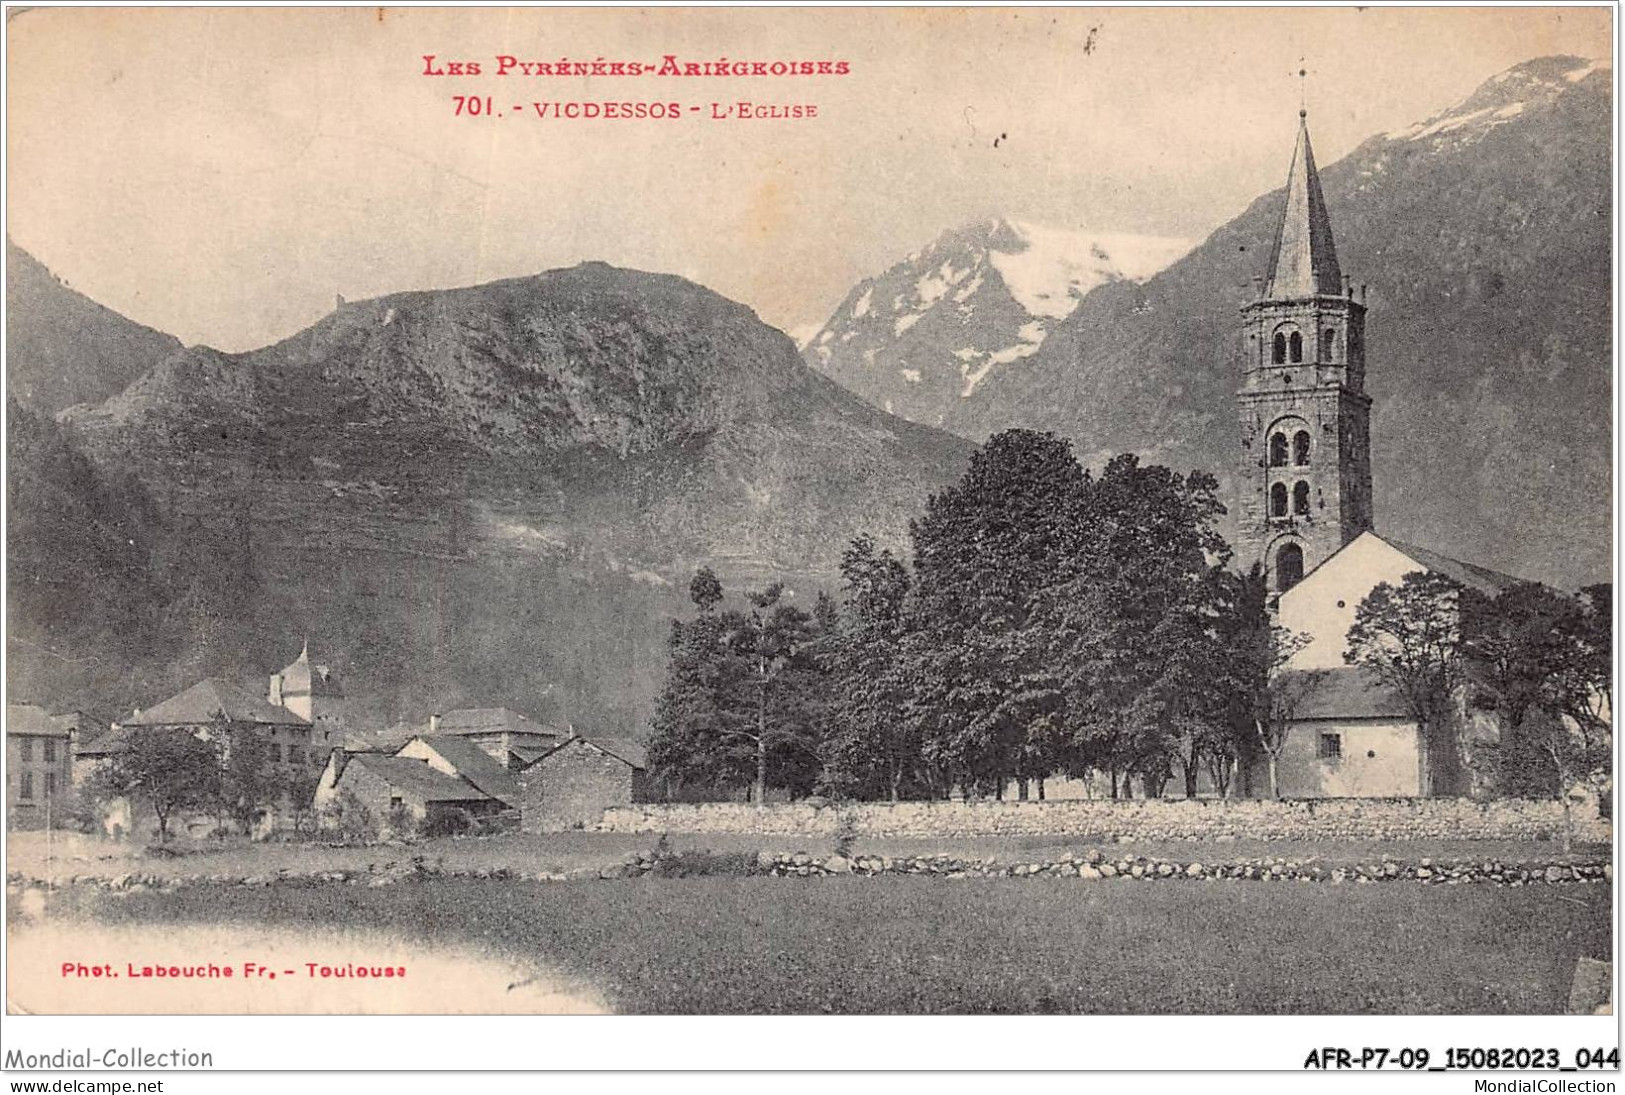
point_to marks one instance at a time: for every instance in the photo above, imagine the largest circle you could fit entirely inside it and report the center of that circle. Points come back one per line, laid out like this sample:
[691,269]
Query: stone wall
[1161,819]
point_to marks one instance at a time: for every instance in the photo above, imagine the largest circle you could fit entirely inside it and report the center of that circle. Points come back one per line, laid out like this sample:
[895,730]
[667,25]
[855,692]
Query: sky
[222,174]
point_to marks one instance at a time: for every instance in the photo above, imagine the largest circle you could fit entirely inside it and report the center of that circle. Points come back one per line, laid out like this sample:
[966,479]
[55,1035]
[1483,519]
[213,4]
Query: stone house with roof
[572,784]
[433,776]
[400,790]
[39,765]
[511,737]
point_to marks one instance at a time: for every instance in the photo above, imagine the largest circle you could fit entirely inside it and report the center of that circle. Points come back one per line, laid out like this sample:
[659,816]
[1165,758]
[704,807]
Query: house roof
[474,720]
[32,721]
[102,745]
[302,677]
[625,750]
[210,698]
[475,765]
[1471,575]
[1348,692]
[416,778]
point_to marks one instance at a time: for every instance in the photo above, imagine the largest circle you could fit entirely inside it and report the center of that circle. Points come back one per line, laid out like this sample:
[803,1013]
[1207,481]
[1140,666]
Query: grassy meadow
[935,945]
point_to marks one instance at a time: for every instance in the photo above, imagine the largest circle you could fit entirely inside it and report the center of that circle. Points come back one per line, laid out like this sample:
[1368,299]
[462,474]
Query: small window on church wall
[1278,500]
[1295,347]
[1278,450]
[1331,746]
[1288,567]
[1279,357]
[1328,346]
[1300,448]
[1300,498]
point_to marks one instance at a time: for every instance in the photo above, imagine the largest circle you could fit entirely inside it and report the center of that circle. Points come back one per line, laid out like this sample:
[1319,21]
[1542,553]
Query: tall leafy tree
[1143,580]
[873,749]
[985,550]
[742,697]
[1541,660]
[172,771]
[1409,637]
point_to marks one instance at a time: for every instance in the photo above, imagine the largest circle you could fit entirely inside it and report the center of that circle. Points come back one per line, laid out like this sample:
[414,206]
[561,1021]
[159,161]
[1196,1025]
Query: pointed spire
[304,650]
[1304,261]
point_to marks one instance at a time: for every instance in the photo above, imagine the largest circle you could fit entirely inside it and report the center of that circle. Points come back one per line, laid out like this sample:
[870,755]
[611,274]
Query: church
[1305,506]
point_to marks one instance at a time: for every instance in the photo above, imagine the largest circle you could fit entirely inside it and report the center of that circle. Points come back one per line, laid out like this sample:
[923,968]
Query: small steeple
[1304,261]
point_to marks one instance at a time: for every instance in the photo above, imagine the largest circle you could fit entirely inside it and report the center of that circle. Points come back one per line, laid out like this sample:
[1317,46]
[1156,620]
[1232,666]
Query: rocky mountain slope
[64,348]
[1484,236]
[496,495]
[931,336]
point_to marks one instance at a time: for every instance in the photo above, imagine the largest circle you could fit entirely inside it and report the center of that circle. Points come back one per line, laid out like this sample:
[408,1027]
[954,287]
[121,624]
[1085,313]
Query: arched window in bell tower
[1288,567]
[1278,500]
[1300,499]
[1300,448]
[1278,450]
[1295,347]
[1328,345]
[1279,356]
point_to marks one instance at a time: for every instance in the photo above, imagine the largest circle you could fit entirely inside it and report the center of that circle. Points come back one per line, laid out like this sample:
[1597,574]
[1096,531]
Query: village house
[510,736]
[434,776]
[299,719]
[39,765]
[571,785]
[399,792]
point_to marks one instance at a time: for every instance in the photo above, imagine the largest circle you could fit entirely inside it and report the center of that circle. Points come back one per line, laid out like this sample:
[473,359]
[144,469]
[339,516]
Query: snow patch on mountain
[1052,268]
[1499,100]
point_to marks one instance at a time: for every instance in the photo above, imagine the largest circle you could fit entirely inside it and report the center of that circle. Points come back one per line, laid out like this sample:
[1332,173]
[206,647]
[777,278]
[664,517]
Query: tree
[873,749]
[248,783]
[773,639]
[1409,637]
[984,552]
[1267,697]
[741,697]
[169,769]
[1542,661]
[1144,581]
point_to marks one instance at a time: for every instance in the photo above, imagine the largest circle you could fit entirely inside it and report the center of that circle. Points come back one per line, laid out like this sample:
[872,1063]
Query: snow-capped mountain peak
[1533,84]
[930,331]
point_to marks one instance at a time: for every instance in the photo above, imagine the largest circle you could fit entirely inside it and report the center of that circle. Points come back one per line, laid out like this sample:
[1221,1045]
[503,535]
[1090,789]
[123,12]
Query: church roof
[1303,262]
[209,699]
[1471,575]
[1348,692]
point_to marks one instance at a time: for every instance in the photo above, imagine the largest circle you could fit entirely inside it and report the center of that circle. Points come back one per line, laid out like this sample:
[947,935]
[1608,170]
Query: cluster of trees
[229,776]
[1538,661]
[1052,621]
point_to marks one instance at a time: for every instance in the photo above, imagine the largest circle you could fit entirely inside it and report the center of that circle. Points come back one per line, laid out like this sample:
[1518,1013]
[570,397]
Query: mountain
[497,495]
[64,348]
[1484,236]
[932,335]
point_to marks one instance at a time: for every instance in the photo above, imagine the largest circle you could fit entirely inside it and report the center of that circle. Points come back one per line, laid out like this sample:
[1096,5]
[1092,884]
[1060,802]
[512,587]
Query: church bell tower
[1305,483]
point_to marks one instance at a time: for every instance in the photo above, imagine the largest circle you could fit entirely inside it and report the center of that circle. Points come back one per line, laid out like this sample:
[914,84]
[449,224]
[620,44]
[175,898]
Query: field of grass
[933,945]
[63,856]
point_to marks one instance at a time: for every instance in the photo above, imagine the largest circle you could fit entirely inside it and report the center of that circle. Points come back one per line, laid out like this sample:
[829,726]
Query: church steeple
[1304,260]
[1305,418]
